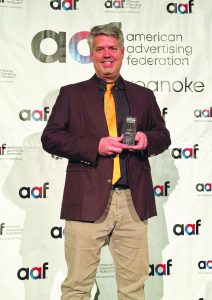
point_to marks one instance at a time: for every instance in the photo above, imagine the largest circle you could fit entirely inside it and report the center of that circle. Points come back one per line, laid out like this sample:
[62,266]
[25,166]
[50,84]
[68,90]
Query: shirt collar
[119,83]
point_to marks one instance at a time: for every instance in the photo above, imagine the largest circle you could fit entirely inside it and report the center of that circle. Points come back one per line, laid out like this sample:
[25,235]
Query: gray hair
[111,29]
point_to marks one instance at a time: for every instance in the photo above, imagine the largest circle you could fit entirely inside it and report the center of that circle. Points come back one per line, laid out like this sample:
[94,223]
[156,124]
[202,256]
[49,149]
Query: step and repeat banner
[168,48]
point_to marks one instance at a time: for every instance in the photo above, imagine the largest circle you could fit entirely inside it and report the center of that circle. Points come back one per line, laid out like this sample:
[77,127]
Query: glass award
[130,131]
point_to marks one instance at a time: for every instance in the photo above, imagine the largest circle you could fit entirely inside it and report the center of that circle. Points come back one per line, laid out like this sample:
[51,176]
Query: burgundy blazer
[73,131]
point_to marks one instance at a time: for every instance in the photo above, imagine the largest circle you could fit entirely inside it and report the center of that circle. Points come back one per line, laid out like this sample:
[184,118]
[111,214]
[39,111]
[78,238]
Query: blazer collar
[94,106]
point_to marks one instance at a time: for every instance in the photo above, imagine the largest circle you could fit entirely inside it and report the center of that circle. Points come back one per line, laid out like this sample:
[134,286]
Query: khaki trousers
[126,234]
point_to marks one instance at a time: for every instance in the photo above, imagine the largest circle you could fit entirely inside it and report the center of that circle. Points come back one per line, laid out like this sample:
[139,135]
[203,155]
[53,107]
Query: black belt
[119,187]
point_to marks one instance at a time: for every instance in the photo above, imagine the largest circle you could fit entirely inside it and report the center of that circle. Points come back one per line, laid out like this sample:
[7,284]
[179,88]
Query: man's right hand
[111,145]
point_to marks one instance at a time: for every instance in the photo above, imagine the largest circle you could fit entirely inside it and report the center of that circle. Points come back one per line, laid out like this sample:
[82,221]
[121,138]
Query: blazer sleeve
[58,138]
[158,135]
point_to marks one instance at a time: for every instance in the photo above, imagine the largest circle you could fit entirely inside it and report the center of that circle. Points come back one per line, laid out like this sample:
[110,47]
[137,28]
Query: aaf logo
[35,115]
[2,149]
[164,112]
[162,190]
[203,113]
[64,4]
[57,232]
[205,265]
[114,4]
[35,273]
[2,226]
[60,53]
[189,229]
[178,153]
[161,269]
[204,187]
[34,192]
[182,8]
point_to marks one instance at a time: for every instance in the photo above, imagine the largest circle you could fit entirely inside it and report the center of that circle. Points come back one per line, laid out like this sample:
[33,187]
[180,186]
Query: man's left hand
[140,142]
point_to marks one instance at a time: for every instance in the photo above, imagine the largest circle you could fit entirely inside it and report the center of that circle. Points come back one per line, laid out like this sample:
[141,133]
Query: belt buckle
[119,188]
[116,189]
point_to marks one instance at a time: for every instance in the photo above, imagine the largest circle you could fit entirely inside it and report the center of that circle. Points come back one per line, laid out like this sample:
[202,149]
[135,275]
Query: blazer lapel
[132,99]
[136,105]
[94,107]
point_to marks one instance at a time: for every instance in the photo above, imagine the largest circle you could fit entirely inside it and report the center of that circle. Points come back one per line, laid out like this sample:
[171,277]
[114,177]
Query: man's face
[107,56]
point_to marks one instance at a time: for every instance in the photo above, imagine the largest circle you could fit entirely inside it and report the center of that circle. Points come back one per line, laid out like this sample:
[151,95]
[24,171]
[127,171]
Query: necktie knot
[109,86]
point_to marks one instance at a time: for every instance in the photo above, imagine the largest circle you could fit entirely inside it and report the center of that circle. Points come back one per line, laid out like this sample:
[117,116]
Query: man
[108,194]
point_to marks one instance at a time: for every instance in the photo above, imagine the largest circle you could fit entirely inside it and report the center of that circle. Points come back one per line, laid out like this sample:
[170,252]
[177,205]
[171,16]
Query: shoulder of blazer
[82,85]
[137,88]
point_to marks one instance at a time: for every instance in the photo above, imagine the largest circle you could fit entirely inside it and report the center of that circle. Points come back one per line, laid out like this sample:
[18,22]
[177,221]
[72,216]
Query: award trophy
[130,131]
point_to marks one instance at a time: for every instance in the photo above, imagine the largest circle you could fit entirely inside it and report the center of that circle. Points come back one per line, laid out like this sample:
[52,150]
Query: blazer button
[109,180]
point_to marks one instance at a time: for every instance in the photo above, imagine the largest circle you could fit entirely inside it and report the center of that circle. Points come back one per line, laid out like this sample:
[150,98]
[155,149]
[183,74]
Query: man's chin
[108,76]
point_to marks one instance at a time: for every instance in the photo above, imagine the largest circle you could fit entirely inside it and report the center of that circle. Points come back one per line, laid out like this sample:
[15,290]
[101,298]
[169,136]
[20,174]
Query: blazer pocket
[77,167]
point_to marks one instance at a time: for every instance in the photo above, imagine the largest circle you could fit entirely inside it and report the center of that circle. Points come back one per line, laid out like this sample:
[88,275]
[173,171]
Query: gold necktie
[110,114]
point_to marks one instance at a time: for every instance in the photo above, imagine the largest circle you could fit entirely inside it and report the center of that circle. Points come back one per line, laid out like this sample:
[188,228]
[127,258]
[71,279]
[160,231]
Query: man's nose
[106,53]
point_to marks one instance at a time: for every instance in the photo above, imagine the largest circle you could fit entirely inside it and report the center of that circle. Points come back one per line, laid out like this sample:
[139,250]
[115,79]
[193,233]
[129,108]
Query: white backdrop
[168,49]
